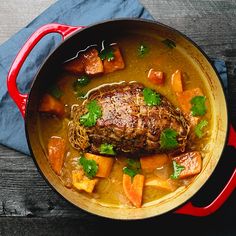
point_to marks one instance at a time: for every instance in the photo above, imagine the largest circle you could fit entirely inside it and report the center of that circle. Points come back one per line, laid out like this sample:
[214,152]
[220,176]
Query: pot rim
[97,24]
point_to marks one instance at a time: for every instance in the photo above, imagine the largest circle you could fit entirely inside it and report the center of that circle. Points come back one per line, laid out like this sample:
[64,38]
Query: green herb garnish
[81,82]
[94,112]
[90,167]
[107,53]
[177,170]
[151,97]
[142,50]
[169,43]
[107,149]
[55,91]
[199,127]
[133,168]
[168,139]
[198,105]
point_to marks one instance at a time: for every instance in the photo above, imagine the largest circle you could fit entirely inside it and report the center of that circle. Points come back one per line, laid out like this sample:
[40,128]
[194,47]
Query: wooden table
[28,206]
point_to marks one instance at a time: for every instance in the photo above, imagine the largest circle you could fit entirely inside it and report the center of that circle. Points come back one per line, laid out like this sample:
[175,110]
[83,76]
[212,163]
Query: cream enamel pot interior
[75,38]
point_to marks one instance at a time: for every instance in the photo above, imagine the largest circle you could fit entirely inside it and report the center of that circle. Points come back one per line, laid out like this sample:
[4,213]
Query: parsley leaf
[151,98]
[55,92]
[198,105]
[199,127]
[169,43]
[107,149]
[107,53]
[177,170]
[142,50]
[81,82]
[133,168]
[168,139]
[90,167]
[94,112]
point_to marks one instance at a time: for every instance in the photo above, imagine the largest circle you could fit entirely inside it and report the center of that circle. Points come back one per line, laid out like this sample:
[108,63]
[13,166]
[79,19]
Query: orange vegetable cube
[104,164]
[92,62]
[192,162]
[151,162]
[51,105]
[116,64]
[75,66]
[156,77]
[133,188]
[185,97]
[176,82]
[81,182]
[56,153]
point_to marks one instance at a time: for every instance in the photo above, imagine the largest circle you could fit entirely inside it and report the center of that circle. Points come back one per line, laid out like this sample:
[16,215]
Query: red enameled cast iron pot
[75,38]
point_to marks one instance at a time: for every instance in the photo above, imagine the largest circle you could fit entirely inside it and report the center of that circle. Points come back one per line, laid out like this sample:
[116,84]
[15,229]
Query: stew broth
[158,55]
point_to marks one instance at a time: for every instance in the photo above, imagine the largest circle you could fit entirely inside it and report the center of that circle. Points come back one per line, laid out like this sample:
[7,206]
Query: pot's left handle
[19,98]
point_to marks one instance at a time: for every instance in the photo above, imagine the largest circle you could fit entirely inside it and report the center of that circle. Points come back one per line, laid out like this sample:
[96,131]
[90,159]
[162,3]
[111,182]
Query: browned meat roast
[127,122]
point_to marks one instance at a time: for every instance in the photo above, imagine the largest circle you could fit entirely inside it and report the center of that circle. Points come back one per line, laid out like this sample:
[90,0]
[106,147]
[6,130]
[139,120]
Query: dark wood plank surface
[28,206]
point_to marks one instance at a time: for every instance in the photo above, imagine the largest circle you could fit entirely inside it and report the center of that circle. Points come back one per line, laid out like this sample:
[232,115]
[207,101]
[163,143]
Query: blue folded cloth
[71,12]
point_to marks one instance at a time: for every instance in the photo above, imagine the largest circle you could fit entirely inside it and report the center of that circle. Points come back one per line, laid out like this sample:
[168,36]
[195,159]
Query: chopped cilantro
[198,105]
[169,43]
[107,53]
[55,91]
[199,127]
[94,112]
[81,95]
[142,50]
[133,168]
[177,170]
[107,149]
[81,82]
[90,167]
[168,139]
[151,97]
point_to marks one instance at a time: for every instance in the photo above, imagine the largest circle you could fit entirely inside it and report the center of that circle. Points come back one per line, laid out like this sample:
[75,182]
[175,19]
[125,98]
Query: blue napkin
[71,12]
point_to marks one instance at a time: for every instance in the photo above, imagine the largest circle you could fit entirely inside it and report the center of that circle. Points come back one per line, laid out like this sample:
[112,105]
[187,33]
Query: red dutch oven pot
[72,36]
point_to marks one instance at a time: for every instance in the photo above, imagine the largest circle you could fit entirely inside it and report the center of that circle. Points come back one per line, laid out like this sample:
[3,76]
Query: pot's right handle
[189,209]
[19,98]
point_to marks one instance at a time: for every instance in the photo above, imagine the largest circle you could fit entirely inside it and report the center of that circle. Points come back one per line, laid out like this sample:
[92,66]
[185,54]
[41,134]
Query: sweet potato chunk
[116,64]
[92,62]
[185,97]
[51,105]
[159,183]
[56,153]
[75,66]
[81,182]
[104,164]
[156,77]
[192,162]
[176,82]
[133,188]
[151,162]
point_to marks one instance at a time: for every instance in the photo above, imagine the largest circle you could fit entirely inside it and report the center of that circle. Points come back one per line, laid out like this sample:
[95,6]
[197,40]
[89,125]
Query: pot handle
[189,209]
[19,98]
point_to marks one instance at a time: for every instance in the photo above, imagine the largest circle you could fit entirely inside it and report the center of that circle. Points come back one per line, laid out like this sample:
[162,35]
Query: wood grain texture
[26,200]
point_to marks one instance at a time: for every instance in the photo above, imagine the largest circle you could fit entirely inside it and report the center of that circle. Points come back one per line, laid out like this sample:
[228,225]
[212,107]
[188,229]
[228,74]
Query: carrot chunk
[176,82]
[104,164]
[156,77]
[185,97]
[159,183]
[192,163]
[51,105]
[56,153]
[92,62]
[133,188]
[151,162]
[75,66]
[81,182]
[116,64]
